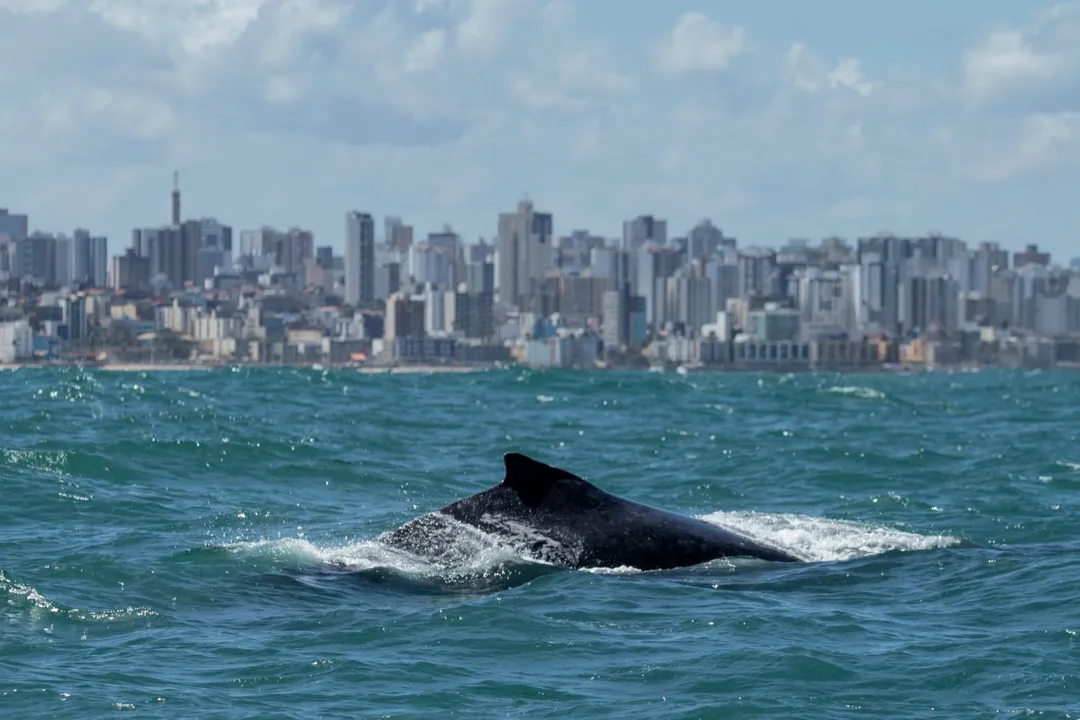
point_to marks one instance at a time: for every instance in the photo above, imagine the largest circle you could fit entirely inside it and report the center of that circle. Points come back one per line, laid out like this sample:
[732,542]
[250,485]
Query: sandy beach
[114,367]
[422,369]
[178,367]
[147,367]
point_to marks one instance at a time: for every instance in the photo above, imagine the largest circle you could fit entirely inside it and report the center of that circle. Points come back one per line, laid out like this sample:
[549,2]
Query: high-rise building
[705,239]
[399,236]
[404,316]
[757,272]
[474,313]
[43,258]
[525,254]
[430,264]
[89,258]
[581,299]
[13,229]
[644,230]
[480,277]
[218,238]
[436,310]
[324,256]
[176,199]
[177,251]
[16,227]
[388,279]
[359,258]
[1030,256]
[191,242]
[689,302]
[604,262]
[449,242]
[7,256]
[131,271]
[301,248]
[160,246]
[250,243]
[655,266]
[613,324]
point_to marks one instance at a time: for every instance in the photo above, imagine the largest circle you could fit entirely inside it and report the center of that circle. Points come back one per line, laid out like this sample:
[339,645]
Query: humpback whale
[557,517]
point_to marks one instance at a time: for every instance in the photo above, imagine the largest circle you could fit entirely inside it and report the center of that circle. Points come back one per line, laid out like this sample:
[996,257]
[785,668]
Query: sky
[776,120]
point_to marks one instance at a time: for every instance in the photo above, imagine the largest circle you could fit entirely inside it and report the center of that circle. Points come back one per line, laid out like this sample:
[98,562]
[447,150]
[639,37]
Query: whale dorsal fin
[532,479]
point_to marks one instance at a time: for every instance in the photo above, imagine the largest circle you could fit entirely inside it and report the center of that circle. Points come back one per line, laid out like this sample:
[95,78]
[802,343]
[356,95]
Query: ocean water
[204,545]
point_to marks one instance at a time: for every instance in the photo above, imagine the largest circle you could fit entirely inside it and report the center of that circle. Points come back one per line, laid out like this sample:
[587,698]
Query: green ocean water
[202,545]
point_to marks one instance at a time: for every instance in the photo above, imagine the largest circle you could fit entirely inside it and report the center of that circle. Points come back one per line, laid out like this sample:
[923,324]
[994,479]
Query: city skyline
[792,122]
[380,232]
[579,301]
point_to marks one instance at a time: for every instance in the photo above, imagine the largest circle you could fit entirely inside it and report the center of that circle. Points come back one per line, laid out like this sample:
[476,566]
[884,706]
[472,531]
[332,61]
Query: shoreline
[192,367]
[459,369]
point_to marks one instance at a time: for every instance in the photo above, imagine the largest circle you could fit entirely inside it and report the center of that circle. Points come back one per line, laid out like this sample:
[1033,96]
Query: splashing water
[465,554]
[817,539]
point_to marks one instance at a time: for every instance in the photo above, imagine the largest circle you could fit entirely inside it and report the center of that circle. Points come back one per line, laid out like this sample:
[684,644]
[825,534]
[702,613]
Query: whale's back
[559,517]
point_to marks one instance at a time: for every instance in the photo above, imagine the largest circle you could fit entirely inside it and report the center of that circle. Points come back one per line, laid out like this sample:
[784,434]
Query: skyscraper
[16,227]
[176,199]
[90,258]
[359,257]
[642,231]
[524,254]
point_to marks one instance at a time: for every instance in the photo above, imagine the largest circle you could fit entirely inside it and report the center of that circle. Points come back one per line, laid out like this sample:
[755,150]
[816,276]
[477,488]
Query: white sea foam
[457,549]
[818,539]
[856,391]
[18,598]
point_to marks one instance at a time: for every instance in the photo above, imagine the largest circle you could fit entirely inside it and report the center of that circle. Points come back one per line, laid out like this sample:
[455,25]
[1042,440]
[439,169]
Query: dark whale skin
[557,516]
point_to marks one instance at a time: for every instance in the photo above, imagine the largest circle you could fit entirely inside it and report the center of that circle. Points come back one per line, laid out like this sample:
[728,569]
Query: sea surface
[204,545]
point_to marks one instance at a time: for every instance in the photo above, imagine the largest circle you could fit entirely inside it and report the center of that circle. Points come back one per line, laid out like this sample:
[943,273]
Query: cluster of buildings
[192,290]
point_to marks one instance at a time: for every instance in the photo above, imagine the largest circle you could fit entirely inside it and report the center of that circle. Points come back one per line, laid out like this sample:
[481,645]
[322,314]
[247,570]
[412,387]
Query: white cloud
[699,44]
[590,70]
[198,27]
[289,27]
[807,72]
[1036,67]
[848,74]
[573,78]
[487,24]
[1041,143]
[425,54]
[447,110]
[31,6]
[422,6]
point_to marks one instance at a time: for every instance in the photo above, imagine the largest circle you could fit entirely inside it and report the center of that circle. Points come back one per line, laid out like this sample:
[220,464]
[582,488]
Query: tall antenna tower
[176,198]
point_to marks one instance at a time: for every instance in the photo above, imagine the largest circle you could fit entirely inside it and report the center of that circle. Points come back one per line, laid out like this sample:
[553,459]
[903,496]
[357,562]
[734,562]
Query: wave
[21,600]
[819,539]
[466,559]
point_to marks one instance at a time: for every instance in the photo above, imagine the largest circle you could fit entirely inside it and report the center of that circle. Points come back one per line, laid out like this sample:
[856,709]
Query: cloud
[1041,143]
[698,44]
[807,72]
[577,78]
[159,66]
[425,53]
[292,111]
[1030,69]
[486,25]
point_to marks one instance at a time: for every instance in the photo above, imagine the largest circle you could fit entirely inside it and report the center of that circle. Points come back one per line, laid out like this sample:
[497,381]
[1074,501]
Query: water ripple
[205,544]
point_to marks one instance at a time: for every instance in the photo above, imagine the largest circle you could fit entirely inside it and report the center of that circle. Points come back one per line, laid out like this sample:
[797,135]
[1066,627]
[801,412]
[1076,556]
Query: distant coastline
[407,368]
[185,367]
